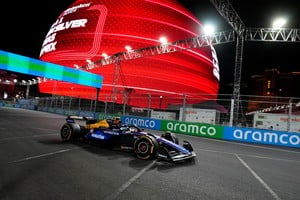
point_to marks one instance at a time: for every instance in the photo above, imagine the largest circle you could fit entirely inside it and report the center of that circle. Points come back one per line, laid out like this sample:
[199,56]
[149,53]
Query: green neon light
[35,67]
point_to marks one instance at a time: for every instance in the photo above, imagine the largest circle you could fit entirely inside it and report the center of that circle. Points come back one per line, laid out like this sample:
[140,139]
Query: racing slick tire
[69,132]
[171,137]
[146,147]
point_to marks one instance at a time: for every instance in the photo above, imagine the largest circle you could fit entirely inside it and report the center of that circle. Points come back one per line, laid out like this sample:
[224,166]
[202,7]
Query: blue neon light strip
[35,67]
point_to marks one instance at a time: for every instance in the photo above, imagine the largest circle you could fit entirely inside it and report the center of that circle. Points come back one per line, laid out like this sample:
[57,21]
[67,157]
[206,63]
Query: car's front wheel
[145,147]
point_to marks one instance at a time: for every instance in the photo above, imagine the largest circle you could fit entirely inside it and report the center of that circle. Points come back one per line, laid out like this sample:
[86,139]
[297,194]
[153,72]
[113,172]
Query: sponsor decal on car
[98,136]
[112,132]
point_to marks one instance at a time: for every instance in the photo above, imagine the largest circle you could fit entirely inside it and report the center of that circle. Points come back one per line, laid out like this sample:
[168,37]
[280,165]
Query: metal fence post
[96,100]
[105,108]
[290,114]
[62,102]
[231,112]
[56,102]
[47,100]
[70,101]
[51,101]
[91,105]
[183,108]
[124,101]
[149,105]
[27,90]
[79,101]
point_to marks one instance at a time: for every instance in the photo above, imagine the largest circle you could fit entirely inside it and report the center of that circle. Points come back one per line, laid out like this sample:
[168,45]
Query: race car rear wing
[72,118]
[89,122]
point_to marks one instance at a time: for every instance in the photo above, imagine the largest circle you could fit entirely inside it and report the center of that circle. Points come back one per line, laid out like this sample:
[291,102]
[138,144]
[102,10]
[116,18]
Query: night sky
[24,25]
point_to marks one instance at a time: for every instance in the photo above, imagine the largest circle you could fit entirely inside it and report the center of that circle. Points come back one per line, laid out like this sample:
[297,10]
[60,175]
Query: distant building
[12,86]
[273,88]
[6,84]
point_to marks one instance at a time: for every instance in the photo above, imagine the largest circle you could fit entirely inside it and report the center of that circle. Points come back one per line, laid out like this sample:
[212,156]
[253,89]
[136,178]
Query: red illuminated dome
[90,28]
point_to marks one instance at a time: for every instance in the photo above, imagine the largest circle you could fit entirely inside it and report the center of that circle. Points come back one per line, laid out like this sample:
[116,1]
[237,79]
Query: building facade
[273,88]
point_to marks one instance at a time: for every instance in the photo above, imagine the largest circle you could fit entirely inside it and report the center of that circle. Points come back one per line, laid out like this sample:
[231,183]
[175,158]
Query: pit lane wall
[249,135]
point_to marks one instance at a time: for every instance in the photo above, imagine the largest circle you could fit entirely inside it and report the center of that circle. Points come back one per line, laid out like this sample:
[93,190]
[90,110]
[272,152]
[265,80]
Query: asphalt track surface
[36,164]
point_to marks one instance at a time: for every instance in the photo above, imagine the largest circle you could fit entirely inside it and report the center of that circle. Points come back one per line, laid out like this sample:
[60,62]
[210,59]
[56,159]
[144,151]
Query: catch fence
[267,112]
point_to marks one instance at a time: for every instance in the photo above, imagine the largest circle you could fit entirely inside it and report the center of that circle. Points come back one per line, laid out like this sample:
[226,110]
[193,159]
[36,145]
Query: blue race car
[126,137]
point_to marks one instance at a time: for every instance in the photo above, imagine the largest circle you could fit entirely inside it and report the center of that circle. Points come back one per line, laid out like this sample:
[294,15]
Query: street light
[208,29]
[104,55]
[279,23]
[128,48]
[90,65]
[163,40]
[160,101]
[164,43]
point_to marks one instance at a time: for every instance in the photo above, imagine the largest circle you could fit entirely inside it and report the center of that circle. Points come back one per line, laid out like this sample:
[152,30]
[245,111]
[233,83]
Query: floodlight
[279,23]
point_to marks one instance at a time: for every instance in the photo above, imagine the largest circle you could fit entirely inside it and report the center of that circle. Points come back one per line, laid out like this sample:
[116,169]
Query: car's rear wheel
[171,137]
[145,147]
[69,132]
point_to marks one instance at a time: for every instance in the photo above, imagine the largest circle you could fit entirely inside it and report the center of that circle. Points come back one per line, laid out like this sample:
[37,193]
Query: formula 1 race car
[126,137]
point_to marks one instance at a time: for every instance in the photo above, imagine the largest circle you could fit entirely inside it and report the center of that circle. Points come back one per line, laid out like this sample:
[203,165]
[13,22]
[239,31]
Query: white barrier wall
[207,116]
[276,121]
[163,115]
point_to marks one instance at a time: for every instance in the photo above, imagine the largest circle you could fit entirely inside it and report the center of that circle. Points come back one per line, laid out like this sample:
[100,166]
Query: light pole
[160,101]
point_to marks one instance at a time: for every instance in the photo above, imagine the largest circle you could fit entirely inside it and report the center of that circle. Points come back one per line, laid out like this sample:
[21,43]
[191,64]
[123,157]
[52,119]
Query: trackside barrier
[249,135]
[192,128]
[10,105]
[13,105]
[142,122]
[261,136]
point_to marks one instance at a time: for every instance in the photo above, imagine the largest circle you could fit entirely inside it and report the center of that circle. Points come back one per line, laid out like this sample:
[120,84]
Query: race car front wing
[176,152]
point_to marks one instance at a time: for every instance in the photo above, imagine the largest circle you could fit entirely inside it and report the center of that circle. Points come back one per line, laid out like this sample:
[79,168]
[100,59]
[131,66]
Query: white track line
[259,179]
[249,155]
[269,158]
[245,144]
[30,136]
[129,182]
[43,155]
[44,129]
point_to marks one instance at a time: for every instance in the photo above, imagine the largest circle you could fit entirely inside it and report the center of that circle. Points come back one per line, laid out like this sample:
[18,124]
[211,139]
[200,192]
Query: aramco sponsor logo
[267,137]
[140,122]
[193,129]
